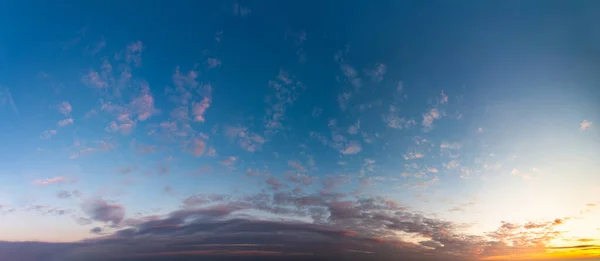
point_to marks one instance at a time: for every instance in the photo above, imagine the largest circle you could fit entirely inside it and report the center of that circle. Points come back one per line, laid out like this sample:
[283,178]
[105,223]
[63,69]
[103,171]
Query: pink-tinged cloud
[50,181]
[199,108]
[48,134]
[199,147]
[134,53]
[65,108]
[65,122]
[143,105]
[94,79]
[585,125]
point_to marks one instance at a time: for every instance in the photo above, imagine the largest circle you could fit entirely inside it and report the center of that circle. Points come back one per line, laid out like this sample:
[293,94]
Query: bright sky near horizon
[440,129]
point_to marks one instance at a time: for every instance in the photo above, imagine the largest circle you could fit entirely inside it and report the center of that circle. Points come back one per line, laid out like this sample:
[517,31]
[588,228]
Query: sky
[299,130]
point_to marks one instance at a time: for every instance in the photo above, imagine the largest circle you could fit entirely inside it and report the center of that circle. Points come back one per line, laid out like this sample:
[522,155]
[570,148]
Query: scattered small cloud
[65,122]
[585,125]
[48,134]
[213,63]
[65,108]
[377,73]
[229,161]
[353,147]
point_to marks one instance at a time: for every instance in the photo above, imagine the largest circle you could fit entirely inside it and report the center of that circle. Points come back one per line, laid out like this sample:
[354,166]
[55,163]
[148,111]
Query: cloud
[339,228]
[355,128]
[316,112]
[377,73]
[6,97]
[198,147]
[53,180]
[47,134]
[229,161]
[133,53]
[213,63]
[247,139]
[65,108]
[100,210]
[429,117]
[413,155]
[585,125]
[343,99]
[353,147]
[65,122]
[63,194]
[286,90]
[240,10]
[392,120]
[96,230]
[143,105]
[199,108]
[94,79]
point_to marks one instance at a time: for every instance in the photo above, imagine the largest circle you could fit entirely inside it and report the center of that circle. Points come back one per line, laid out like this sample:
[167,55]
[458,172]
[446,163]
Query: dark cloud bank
[215,227]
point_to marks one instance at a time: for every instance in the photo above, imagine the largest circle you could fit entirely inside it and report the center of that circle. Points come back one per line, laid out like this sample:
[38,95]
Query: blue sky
[480,114]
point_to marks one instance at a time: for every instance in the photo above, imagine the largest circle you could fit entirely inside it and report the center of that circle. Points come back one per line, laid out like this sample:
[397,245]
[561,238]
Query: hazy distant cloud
[134,53]
[343,99]
[316,112]
[443,98]
[47,134]
[63,194]
[240,10]
[198,147]
[585,125]
[377,73]
[286,91]
[65,108]
[94,79]
[355,128]
[213,63]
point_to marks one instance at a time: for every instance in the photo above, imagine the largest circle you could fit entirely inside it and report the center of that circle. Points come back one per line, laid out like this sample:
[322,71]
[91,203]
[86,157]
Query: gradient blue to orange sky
[308,130]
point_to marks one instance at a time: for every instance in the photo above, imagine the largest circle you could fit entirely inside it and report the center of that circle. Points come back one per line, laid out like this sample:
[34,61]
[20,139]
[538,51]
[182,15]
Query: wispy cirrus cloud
[53,180]
[6,97]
